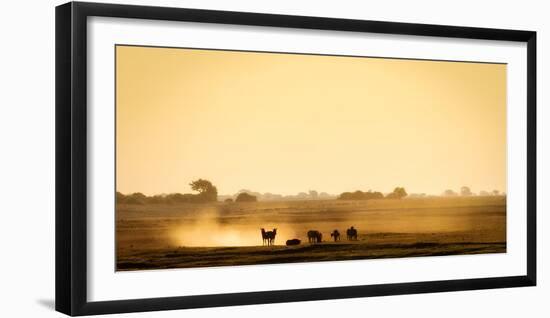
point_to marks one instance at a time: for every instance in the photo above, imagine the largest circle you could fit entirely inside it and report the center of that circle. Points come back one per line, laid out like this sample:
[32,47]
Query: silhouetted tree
[245,197]
[465,191]
[313,194]
[397,193]
[136,198]
[207,191]
[120,198]
[496,192]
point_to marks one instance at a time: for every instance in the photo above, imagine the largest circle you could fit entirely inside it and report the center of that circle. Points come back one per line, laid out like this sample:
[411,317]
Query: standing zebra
[351,234]
[314,236]
[264,237]
[271,236]
[336,235]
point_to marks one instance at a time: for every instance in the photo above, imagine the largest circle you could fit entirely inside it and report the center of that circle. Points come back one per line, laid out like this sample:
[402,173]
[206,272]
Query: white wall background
[27,158]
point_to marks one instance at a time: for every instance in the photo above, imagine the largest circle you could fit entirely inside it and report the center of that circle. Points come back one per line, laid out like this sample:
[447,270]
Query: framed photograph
[214,158]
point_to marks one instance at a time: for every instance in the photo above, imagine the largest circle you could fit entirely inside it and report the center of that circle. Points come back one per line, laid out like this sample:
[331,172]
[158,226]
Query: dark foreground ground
[156,236]
[368,247]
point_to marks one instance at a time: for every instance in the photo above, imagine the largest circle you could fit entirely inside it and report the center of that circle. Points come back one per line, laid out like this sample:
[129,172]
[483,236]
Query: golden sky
[286,123]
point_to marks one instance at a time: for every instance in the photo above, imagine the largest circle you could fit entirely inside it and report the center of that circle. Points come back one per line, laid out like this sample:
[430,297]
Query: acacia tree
[465,191]
[398,193]
[207,191]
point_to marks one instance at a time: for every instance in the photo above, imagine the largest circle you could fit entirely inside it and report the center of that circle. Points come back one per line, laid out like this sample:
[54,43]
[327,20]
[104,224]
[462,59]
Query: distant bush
[397,193]
[360,195]
[229,200]
[449,193]
[135,198]
[465,191]
[120,198]
[245,197]
[156,199]
[492,193]
[177,198]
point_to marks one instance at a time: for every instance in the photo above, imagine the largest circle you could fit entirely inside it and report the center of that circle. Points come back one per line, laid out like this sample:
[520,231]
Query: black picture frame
[71,157]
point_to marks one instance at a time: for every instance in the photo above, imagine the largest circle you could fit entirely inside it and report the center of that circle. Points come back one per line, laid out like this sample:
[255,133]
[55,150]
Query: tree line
[465,191]
[268,196]
[207,192]
[398,193]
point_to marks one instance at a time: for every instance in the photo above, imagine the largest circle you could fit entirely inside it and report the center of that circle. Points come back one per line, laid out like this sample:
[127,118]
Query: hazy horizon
[287,123]
[475,192]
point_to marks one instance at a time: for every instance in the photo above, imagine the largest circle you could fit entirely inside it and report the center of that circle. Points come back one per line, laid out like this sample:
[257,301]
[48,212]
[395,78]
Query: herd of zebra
[313,236]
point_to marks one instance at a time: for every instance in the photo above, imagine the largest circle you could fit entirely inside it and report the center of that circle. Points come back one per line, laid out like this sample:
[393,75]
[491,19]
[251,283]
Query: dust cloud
[210,229]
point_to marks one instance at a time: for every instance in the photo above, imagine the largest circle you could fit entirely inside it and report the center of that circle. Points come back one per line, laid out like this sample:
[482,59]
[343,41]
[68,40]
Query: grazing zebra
[336,235]
[351,234]
[314,236]
[270,235]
